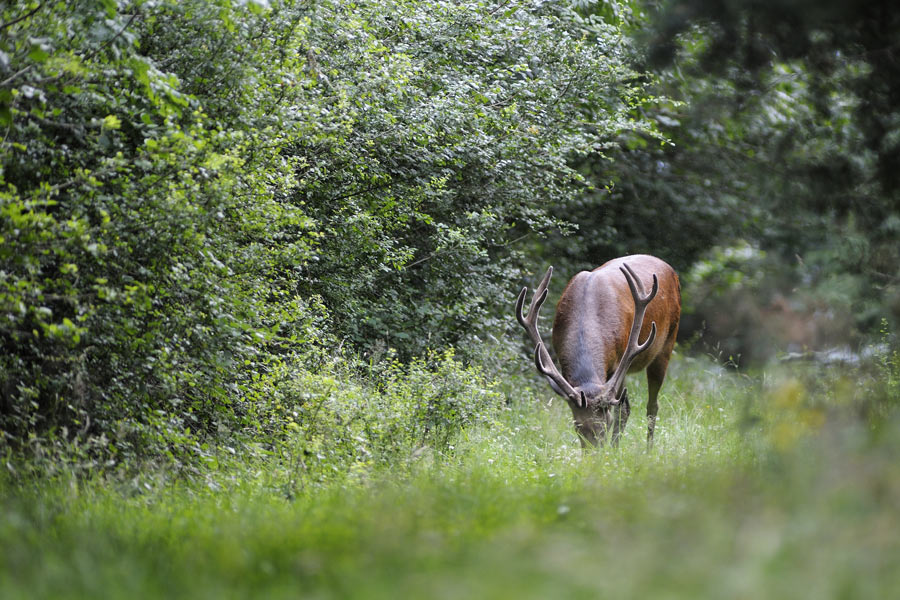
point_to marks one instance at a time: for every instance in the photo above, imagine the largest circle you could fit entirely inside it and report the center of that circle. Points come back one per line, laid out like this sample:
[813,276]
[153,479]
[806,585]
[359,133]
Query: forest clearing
[259,328]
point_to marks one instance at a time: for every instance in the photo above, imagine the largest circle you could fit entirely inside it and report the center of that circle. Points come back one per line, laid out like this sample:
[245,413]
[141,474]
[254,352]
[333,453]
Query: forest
[259,262]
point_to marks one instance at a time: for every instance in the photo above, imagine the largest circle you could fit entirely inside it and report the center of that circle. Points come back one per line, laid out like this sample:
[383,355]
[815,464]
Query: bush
[441,134]
[195,194]
[145,257]
[323,426]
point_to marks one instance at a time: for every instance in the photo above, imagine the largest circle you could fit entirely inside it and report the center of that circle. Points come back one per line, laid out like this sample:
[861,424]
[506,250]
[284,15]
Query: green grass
[778,486]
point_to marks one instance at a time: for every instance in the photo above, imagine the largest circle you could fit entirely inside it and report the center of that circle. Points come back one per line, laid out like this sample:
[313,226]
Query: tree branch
[22,18]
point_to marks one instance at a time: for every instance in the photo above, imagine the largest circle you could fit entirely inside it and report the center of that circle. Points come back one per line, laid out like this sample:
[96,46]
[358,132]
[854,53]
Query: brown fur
[590,334]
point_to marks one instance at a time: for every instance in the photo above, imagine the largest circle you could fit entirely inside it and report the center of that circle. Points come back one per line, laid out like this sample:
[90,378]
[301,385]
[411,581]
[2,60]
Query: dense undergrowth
[776,485]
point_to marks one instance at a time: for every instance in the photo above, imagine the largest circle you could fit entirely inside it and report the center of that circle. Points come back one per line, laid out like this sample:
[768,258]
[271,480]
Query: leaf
[110,6]
[111,122]
[38,54]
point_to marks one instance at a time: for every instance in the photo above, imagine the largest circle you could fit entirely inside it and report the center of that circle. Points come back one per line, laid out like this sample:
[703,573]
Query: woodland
[258,268]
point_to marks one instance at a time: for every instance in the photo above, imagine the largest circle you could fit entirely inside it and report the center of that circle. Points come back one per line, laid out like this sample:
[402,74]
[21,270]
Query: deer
[600,319]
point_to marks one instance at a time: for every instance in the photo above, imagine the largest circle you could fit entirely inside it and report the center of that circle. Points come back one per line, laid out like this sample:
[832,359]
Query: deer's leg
[656,373]
[620,418]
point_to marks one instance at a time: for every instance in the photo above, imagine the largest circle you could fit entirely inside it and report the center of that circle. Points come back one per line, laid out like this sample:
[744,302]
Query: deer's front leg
[620,417]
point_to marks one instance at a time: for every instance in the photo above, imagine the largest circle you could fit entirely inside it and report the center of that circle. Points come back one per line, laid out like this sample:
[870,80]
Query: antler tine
[530,322]
[540,294]
[633,348]
[542,359]
[637,286]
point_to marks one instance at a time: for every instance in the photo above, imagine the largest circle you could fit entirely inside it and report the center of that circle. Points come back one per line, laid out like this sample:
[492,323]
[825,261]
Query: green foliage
[194,195]
[782,137]
[327,427]
[146,255]
[208,210]
[442,135]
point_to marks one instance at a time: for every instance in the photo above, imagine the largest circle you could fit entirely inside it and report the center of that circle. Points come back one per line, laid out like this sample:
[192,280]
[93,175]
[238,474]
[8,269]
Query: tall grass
[781,485]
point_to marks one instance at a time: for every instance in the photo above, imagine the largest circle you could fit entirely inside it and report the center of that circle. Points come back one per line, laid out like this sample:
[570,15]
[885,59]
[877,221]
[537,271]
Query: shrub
[321,426]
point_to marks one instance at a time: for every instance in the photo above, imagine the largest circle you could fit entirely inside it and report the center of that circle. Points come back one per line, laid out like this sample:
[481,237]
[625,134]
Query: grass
[777,486]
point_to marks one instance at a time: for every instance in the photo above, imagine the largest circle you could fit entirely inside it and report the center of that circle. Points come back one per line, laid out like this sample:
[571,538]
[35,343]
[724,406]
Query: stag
[600,318]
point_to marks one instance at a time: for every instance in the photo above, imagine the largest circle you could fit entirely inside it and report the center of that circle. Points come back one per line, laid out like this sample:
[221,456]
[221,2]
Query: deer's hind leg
[656,374]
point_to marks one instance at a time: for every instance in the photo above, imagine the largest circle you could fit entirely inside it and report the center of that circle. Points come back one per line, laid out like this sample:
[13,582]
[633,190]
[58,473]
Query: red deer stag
[599,320]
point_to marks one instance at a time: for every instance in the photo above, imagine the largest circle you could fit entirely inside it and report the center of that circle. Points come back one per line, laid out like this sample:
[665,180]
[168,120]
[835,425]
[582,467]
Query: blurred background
[775,193]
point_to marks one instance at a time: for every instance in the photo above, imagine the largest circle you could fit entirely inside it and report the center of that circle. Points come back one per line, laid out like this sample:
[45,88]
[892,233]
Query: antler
[632,348]
[542,359]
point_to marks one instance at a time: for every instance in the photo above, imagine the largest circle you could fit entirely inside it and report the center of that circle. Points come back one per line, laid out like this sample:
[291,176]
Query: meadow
[782,484]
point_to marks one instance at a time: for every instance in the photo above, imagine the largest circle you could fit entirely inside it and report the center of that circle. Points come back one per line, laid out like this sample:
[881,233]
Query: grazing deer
[599,320]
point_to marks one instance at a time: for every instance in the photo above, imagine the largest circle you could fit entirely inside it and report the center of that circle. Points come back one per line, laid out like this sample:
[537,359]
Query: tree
[777,117]
[445,133]
[142,234]
[197,196]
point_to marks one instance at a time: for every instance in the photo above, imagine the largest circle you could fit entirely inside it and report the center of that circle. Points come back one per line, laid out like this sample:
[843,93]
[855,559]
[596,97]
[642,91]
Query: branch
[14,75]
[96,50]
[22,18]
